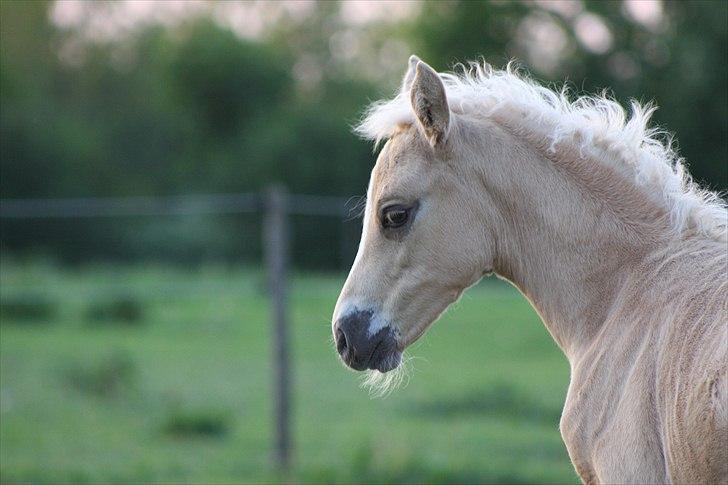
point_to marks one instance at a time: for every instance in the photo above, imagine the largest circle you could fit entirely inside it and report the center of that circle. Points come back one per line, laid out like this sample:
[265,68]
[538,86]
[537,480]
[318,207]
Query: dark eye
[395,216]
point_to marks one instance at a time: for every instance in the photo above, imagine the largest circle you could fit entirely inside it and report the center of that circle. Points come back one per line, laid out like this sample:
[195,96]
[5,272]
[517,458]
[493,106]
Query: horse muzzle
[363,347]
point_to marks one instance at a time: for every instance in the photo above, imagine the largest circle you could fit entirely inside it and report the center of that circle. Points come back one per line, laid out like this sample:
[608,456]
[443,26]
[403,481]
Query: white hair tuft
[381,384]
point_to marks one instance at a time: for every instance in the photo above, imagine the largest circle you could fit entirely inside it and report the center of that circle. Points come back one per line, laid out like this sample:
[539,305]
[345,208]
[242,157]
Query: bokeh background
[136,346]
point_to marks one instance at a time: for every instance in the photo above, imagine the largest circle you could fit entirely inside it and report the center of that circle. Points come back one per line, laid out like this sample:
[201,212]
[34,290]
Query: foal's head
[423,241]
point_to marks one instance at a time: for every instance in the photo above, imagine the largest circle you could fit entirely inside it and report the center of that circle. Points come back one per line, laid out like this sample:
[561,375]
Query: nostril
[341,344]
[351,336]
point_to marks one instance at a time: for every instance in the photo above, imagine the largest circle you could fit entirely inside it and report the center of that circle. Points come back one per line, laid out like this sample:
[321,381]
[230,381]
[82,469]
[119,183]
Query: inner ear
[429,103]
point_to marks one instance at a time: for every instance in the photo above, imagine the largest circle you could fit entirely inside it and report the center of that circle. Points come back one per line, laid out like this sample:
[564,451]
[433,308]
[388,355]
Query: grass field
[160,375]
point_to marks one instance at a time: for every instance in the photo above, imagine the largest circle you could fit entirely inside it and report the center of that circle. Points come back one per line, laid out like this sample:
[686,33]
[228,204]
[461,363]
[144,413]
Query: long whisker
[381,384]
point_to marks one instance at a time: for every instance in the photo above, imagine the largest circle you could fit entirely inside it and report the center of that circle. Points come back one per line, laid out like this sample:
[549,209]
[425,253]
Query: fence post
[275,245]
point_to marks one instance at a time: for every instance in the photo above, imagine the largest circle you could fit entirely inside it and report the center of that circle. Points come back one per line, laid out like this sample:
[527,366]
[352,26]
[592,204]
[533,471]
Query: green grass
[183,394]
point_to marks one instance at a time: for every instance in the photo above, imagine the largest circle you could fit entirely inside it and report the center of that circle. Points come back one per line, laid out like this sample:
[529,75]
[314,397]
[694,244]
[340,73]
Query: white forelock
[600,126]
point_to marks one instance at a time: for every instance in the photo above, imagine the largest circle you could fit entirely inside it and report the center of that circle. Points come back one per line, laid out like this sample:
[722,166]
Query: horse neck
[571,231]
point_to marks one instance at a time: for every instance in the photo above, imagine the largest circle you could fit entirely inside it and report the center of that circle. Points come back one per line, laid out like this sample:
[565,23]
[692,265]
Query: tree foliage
[195,108]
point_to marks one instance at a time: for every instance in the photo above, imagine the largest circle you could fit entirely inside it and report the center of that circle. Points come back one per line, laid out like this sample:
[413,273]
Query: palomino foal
[594,219]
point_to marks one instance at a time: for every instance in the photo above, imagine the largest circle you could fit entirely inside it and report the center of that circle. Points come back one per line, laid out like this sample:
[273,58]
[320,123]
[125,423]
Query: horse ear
[429,103]
[409,76]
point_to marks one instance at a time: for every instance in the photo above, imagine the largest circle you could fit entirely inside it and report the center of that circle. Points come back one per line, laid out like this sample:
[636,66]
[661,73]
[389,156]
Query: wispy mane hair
[597,125]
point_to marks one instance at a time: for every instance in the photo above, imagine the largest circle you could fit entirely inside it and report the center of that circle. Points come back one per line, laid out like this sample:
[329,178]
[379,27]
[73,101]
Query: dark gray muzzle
[361,351]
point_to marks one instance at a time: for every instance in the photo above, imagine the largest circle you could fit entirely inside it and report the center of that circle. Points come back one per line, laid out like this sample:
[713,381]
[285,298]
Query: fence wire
[298,204]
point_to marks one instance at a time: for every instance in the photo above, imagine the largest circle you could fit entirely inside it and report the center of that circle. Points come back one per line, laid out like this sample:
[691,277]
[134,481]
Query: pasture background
[180,394]
[137,348]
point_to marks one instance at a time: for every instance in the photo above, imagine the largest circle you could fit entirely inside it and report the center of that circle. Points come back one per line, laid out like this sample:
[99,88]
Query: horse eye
[394,217]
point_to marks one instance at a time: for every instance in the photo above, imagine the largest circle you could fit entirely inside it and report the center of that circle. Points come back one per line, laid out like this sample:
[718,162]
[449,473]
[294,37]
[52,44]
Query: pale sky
[540,37]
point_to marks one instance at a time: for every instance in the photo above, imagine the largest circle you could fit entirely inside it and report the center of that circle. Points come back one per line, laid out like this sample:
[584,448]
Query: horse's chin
[389,362]
[382,362]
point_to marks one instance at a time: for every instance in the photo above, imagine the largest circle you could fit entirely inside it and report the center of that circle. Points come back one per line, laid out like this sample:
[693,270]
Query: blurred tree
[677,57]
[197,107]
[227,82]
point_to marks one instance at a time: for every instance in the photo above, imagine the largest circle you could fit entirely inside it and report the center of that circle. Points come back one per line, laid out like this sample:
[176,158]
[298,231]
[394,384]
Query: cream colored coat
[629,277]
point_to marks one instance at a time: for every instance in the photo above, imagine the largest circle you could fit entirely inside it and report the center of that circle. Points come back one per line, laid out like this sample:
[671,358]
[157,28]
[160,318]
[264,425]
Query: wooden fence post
[275,245]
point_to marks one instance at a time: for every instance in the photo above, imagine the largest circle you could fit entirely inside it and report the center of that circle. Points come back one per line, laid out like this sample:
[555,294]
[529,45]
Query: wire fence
[297,204]
[176,229]
[275,206]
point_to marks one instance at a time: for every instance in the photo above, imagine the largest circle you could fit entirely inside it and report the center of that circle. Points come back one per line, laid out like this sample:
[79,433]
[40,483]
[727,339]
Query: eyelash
[403,214]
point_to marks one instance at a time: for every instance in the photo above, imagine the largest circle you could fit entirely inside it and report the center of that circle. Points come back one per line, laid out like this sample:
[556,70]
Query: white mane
[599,125]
